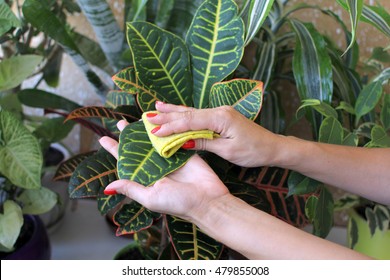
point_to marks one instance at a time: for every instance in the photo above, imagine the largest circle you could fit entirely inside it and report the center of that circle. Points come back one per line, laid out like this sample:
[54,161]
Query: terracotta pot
[34,244]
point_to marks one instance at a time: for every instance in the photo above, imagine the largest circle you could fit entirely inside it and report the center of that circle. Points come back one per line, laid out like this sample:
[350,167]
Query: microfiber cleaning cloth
[168,145]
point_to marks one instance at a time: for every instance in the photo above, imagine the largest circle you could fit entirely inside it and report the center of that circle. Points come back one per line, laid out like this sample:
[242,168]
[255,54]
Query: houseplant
[359,119]
[274,51]
[26,138]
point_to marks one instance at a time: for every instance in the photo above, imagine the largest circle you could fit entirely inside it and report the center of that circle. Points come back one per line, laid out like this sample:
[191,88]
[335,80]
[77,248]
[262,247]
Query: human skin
[226,218]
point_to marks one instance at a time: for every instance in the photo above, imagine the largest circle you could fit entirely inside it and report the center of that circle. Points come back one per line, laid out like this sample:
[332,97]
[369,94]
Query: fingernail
[154,130]
[110,192]
[158,102]
[151,115]
[190,144]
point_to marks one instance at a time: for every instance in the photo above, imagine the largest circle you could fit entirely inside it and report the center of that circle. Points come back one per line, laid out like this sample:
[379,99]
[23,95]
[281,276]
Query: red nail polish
[151,115]
[110,192]
[154,130]
[190,144]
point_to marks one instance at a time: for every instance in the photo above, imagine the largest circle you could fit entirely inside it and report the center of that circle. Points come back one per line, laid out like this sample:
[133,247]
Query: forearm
[363,171]
[258,235]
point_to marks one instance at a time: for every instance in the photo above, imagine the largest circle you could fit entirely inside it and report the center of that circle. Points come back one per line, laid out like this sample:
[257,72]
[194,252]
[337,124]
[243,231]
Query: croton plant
[196,72]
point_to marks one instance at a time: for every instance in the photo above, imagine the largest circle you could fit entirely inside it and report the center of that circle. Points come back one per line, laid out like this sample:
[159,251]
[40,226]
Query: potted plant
[359,117]
[274,48]
[26,138]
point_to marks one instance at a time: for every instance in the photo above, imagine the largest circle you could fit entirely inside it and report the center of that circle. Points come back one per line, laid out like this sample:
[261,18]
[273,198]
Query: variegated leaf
[106,203]
[331,131]
[254,17]
[378,17]
[272,116]
[20,153]
[149,241]
[354,8]
[265,62]
[133,217]
[379,138]
[139,161]
[98,112]
[127,81]
[117,98]
[251,195]
[190,243]
[92,175]
[66,168]
[311,63]
[245,96]
[106,28]
[374,15]
[161,61]
[215,41]
[273,181]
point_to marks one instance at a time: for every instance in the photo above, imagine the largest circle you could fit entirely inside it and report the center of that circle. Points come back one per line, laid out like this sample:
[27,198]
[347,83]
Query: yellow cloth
[168,145]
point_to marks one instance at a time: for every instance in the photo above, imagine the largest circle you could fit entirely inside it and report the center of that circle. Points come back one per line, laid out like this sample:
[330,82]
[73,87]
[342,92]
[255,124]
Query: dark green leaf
[368,99]
[353,233]
[215,41]
[371,220]
[139,161]
[323,216]
[385,112]
[92,175]
[133,217]
[161,60]
[299,184]
[66,168]
[42,99]
[190,242]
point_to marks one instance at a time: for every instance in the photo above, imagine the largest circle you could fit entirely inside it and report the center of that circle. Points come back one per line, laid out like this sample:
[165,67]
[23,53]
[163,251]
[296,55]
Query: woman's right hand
[242,141]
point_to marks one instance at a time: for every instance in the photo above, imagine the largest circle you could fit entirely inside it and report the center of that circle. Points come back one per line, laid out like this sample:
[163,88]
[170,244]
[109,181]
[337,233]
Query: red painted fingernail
[190,144]
[154,130]
[151,115]
[110,192]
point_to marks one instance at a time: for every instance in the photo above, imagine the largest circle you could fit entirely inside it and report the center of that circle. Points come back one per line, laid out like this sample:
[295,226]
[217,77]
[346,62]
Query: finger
[190,119]
[121,124]
[131,189]
[110,145]
[169,108]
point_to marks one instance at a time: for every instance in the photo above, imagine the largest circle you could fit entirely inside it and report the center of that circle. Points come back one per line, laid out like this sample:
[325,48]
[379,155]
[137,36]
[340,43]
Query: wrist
[290,152]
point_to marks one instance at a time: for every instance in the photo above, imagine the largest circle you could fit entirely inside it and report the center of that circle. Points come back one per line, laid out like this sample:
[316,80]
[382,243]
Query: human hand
[242,141]
[179,194]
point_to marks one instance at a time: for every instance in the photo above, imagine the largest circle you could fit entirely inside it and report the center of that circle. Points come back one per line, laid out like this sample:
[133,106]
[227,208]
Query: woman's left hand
[186,192]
